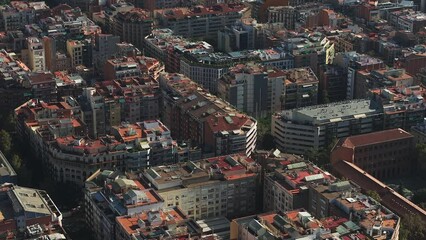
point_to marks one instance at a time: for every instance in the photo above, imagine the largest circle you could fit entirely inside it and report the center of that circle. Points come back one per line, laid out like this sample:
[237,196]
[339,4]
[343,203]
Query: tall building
[384,154]
[332,84]
[311,50]
[133,26]
[237,37]
[353,62]
[36,56]
[80,52]
[111,102]
[201,119]
[105,48]
[250,88]
[219,186]
[284,14]
[259,90]
[298,130]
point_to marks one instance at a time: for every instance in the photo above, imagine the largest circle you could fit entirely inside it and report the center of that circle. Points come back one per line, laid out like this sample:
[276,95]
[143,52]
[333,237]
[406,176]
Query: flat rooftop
[332,112]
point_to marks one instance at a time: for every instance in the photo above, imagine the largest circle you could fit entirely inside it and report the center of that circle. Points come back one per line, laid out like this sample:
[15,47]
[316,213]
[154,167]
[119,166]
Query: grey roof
[333,112]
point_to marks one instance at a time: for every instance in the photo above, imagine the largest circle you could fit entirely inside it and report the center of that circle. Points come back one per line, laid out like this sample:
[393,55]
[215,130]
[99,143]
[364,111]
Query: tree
[374,195]
[412,227]
[5,142]
[421,156]
[16,162]
[419,196]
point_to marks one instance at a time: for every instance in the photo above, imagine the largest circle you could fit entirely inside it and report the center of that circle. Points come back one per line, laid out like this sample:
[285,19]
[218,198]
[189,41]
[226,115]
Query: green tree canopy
[16,162]
[412,227]
[374,195]
[5,142]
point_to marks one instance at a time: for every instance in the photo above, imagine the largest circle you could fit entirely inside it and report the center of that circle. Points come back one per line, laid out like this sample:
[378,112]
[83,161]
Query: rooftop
[375,138]
[181,13]
[332,112]
[391,199]
[200,172]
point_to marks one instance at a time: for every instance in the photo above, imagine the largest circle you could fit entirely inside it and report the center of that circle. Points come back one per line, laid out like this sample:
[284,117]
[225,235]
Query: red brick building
[383,154]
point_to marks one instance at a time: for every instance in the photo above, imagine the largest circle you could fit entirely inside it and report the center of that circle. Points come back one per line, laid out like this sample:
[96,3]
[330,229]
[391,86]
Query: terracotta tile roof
[376,137]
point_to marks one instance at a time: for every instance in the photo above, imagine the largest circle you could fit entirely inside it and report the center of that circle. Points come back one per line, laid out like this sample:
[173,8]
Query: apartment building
[408,19]
[300,88]
[353,62]
[167,222]
[384,154]
[119,68]
[149,143]
[380,78]
[201,119]
[283,14]
[105,47]
[166,46]
[332,84]
[200,21]
[249,88]
[108,195]
[219,186]
[403,107]
[237,37]
[310,50]
[127,67]
[26,210]
[17,14]
[36,57]
[133,26]
[80,52]
[287,187]
[298,130]
[111,102]
[300,224]
[43,85]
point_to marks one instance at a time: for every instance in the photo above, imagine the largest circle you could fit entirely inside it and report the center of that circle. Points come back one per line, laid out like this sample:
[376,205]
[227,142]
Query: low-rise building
[219,186]
[385,154]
